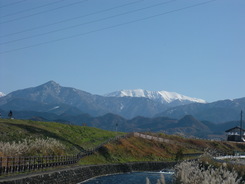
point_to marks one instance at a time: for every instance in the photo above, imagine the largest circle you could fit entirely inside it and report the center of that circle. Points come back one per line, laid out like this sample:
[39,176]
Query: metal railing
[22,164]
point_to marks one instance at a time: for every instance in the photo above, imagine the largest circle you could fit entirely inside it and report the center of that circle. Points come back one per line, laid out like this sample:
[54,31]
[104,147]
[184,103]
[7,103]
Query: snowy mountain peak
[162,96]
[2,94]
[129,93]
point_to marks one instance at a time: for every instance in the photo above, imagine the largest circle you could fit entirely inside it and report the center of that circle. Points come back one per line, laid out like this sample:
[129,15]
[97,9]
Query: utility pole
[116,128]
[241,130]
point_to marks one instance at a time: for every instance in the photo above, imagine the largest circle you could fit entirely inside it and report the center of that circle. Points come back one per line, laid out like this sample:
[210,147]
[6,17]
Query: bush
[179,155]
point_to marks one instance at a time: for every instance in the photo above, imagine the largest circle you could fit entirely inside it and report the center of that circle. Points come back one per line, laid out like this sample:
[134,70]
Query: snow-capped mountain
[2,94]
[50,100]
[53,98]
[161,96]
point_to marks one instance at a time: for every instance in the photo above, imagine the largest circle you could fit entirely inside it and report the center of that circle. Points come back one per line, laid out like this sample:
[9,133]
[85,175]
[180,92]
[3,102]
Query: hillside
[133,149]
[129,149]
[75,138]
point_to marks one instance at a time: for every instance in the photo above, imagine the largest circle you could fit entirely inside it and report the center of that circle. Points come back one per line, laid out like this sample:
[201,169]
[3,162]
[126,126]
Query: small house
[233,134]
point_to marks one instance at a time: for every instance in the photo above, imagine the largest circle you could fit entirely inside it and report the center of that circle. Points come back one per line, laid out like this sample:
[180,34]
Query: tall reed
[32,147]
[192,172]
[159,181]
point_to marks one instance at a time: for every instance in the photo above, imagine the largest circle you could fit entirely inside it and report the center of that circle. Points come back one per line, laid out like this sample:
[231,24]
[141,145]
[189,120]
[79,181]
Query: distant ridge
[219,111]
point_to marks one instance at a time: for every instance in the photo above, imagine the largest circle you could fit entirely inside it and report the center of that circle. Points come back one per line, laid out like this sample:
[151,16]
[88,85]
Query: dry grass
[231,165]
[31,147]
[207,170]
[139,149]
[223,147]
[193,173]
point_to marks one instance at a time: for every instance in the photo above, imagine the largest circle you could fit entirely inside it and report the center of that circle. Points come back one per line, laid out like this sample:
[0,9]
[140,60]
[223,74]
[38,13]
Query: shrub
[179,155]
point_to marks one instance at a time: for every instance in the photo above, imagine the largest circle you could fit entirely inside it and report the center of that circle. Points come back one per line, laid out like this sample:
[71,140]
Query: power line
[30,9]
[11,4]
[90,22]
[110,27]
[34,14]
[70,19]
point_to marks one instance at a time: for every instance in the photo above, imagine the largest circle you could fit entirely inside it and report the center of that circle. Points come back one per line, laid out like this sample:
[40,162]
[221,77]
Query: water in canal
[130,178]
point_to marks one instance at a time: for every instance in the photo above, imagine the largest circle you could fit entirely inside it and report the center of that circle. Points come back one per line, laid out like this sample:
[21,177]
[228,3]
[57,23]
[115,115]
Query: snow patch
[162,96]
[121,107]
[2,94]
[56,107]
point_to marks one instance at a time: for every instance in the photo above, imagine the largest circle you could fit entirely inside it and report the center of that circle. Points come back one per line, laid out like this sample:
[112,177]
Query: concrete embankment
[75,175]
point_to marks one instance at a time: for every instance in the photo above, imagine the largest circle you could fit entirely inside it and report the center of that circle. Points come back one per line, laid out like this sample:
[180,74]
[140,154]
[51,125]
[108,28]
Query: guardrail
[22,164]
[150,137]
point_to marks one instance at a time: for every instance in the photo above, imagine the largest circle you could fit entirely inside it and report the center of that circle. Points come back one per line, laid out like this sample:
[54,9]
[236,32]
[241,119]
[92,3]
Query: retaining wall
[78,174]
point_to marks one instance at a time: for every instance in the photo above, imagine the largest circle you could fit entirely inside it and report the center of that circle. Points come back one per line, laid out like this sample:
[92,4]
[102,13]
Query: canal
[131,178]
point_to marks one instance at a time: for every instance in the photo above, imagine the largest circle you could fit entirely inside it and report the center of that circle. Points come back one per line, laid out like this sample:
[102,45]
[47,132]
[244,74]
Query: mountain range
[51,97]
[131,110]
[218,112]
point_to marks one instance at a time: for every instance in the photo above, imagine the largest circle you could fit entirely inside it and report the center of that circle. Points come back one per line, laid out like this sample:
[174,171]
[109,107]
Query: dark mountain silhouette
[187,125]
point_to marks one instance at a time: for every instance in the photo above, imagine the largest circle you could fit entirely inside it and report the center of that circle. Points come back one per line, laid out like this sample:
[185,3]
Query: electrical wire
[71,19]
[11,4]
[110,27]
[86,23]
[45,11]
[30,9]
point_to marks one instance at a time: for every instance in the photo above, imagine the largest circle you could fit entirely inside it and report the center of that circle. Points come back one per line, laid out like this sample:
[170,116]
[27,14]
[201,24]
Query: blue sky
[192,47]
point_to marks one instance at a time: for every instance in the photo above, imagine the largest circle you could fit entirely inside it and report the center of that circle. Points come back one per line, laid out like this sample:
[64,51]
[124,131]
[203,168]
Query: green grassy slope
[76,138]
